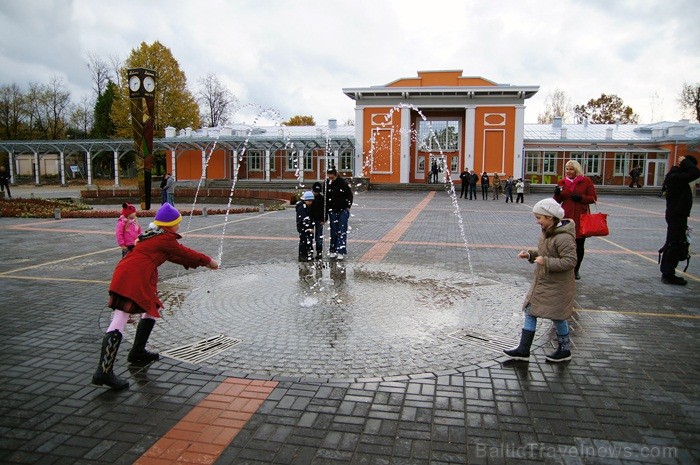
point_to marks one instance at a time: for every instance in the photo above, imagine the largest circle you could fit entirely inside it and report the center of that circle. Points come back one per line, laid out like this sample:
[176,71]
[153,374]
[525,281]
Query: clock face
[134,83]
[149,84]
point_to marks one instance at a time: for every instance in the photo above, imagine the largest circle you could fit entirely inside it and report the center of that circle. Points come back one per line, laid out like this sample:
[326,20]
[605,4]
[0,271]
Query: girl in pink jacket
[128,228]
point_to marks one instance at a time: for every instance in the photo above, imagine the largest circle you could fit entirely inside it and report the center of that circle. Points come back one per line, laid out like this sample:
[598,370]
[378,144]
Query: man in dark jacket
[305,227]
[679,201]
[464,176]
[5,181]
[339,202]
[473,179]
[319,216]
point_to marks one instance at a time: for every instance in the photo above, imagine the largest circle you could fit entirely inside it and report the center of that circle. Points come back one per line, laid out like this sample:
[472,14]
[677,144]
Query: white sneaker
[340,256]
[332,255]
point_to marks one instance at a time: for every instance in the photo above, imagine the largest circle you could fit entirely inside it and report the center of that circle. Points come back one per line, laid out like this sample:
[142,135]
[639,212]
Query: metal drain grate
[201,350]
[487,341]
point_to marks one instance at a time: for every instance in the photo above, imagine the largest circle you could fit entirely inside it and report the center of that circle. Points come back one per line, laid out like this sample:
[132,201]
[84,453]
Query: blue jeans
[339,231]
[171,199]
[318,236]
[531,324]
[164,194]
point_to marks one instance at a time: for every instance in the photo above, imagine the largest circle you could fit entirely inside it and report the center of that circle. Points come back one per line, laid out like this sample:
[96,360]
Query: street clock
[142,82]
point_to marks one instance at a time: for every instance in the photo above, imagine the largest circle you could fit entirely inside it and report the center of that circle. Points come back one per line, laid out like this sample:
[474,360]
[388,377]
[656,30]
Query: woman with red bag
[575,193]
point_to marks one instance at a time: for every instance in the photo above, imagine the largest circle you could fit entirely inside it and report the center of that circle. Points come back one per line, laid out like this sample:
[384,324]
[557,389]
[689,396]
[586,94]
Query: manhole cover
[199,351]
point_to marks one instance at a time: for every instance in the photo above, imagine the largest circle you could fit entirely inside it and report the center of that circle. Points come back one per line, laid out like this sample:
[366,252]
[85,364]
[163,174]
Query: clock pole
[141,83]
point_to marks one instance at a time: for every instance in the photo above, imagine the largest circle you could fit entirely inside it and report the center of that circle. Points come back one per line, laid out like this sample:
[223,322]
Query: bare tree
[117,64]
[556,104]
[655,103]
[215,100]
[48,106]
[12,110]
[689,99]
[101,74]
[82,118]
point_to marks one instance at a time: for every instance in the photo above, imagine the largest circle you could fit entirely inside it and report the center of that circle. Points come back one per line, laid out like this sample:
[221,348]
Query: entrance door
[655,172]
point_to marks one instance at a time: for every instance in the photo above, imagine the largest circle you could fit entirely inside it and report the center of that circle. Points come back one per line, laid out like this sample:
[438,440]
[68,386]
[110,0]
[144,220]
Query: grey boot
[138,354]
[522,352]
[563,352]
[104,373]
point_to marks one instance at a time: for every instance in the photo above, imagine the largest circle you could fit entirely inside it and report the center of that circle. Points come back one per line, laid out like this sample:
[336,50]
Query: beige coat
[551,293]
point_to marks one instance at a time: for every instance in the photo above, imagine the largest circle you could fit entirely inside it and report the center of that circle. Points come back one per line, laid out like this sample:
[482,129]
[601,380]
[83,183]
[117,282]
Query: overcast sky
[296,56]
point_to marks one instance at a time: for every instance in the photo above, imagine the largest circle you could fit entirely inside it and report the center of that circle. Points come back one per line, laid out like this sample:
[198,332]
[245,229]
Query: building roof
[588,133]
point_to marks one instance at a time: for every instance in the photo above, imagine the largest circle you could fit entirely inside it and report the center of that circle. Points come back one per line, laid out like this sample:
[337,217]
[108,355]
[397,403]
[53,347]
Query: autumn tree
[606,109]
[216,101]
[689,99]
[175,104]
[300,120]
[556,104]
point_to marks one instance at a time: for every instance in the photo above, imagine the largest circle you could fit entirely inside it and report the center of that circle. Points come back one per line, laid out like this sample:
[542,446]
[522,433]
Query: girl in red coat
[134,289]
[575,193]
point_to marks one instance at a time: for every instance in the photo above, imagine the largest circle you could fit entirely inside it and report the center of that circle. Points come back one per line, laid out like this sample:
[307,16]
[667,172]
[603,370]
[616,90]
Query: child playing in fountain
[551,293]
[134,289]
[128,228]
[305,227]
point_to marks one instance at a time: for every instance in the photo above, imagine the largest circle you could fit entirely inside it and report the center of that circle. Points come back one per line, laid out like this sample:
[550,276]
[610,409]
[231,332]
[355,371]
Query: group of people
[470,179]
[557,258]
[315,209]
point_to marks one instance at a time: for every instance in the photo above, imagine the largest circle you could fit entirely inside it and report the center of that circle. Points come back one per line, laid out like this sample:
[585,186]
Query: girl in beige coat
[551,293]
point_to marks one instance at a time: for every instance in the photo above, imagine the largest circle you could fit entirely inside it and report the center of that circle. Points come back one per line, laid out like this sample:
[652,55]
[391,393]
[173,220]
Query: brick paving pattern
[630,395]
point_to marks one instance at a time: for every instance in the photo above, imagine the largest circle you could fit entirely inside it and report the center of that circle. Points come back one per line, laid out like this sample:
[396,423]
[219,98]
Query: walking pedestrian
[473,179]
[510,185]
[163,192]
[434,172]
[484,186]
[496,186]
[170,189]
[128,228]
[635,174]
[305,227]
[551,294]
[134,289]
[5,181]
[679,202]
[319,216]
[464,176]
[339,202]
[576,192]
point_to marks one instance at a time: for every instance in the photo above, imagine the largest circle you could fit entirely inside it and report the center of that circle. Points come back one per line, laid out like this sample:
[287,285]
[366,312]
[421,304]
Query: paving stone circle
[337,319]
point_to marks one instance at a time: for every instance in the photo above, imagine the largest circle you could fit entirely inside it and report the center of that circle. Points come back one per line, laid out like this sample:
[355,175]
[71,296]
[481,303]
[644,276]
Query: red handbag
[594,224]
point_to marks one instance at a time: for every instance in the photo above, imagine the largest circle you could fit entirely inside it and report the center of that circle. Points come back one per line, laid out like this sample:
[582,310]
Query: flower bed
[43,208]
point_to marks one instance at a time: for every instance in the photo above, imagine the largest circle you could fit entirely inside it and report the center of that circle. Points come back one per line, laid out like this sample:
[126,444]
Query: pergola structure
[238,140]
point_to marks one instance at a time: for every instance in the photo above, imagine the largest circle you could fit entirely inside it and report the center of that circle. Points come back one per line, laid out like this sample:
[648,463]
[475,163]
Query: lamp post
[142,86]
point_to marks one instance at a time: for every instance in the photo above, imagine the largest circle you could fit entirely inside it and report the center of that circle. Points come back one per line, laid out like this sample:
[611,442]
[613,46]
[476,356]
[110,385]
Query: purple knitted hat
[167,216]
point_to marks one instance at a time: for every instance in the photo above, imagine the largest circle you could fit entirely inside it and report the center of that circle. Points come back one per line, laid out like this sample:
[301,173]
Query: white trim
[359,141]
[405,158]
[469,137]
[519,147]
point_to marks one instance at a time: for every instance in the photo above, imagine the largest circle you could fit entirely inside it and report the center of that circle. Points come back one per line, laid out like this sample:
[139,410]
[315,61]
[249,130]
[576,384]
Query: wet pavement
[381,358]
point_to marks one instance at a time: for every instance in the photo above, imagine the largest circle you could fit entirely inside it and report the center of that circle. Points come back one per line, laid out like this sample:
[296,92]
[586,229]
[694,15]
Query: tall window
[444,135]
[549,163]
[292,158]
[620,164]
[346,160]
[577,156]
[592,165]
[272,160]
[532,162]
[255,158]
[307,160]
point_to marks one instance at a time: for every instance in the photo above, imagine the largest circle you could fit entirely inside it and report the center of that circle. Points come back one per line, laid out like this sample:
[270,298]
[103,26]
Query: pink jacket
[127,231]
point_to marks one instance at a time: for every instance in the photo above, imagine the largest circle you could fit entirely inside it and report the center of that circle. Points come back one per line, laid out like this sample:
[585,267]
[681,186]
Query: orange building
[440,116]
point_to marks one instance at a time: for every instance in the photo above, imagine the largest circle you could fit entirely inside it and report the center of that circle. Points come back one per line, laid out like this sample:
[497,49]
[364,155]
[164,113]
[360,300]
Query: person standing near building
[496,186]
[679,202]
[520,190]
[434,172]
[484,186]
[170,189]
[510,185]
[464,176]
[473,179]
[163,192]
[5,181]
[339,202]
[635,174]
[576,192]
[305,227]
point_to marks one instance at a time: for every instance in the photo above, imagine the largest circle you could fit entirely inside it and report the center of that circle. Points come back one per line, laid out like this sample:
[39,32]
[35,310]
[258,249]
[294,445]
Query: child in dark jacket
[134,289]
[305,227]
[319,216]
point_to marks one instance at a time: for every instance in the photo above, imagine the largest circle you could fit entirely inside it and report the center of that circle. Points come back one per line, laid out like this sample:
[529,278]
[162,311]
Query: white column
[405,157]
[234,175]
[116,168]
[267,165]
[172,162]
[336,162]
[62,169]
[519,156]
[88,158]
[359,140]
[204,165]
[300,164]
[36,169]
[469,136]
[12,166]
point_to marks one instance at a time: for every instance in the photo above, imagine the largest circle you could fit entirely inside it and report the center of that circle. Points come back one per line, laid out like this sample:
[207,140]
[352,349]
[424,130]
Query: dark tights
[579,253]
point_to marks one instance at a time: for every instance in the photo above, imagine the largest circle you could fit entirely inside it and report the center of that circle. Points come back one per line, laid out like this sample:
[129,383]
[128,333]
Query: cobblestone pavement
[394,386]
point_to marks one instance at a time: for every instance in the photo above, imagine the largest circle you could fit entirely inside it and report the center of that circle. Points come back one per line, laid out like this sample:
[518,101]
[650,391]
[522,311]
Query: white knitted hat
[549,207]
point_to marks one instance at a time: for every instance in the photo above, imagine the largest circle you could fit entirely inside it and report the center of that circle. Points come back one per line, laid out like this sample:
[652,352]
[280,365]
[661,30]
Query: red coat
[136,275]
[585,188]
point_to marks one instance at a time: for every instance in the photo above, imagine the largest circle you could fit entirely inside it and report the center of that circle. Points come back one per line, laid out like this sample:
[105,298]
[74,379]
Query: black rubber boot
[138,354]
[563,352]
[522,352]
[104,373]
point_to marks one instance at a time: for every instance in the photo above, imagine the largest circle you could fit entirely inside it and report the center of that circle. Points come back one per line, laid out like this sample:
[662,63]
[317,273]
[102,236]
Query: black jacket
[485,180]
[318,208]
[303,218]
[339,195]
[473,179]
[679,195]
